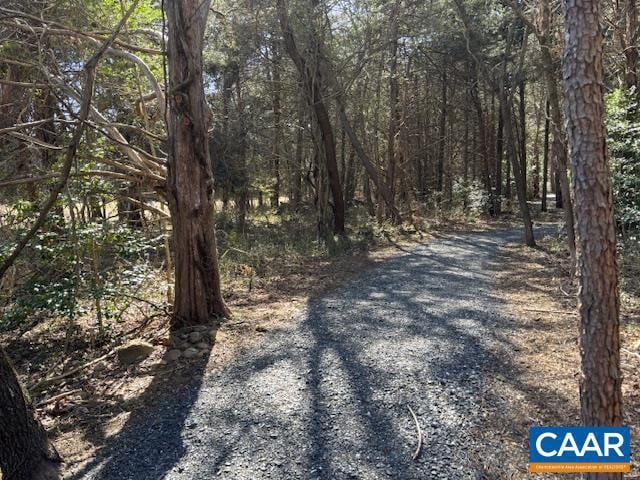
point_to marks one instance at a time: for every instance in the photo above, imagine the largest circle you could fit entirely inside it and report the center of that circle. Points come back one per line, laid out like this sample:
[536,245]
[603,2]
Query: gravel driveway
[327,396]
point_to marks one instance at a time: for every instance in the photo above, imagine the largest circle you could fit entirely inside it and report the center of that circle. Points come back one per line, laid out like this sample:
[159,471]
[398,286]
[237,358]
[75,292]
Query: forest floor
[470,331]
[541,387]
[313,376]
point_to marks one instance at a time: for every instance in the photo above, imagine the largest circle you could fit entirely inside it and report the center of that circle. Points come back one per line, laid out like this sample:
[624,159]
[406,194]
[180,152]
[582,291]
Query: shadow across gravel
[327,396]
[145,444]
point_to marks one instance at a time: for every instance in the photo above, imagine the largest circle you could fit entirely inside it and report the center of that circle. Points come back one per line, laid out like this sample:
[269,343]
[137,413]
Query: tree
[544,36]
[25,451]
[600,386]
[189,191]
[309,72]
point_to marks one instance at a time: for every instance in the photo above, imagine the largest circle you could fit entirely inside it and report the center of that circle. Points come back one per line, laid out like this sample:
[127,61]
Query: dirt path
[327,396]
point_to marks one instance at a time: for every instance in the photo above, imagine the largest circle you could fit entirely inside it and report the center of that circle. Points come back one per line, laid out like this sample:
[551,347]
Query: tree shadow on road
[158,416]
[326,397]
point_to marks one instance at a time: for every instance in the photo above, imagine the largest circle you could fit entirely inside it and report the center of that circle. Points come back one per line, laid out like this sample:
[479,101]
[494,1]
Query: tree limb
[85,108]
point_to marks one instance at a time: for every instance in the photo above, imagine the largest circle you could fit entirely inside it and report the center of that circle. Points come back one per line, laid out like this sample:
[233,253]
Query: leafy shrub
[97,261]
[623,124]
[470,197]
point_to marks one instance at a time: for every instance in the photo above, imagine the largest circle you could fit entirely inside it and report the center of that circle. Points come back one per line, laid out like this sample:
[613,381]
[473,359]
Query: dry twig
[416,454]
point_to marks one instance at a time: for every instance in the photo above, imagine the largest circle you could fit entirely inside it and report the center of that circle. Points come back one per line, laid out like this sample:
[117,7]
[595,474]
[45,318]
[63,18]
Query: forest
[315,239]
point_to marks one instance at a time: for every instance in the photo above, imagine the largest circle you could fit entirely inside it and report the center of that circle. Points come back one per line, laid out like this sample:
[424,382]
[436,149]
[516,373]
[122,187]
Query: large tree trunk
[189,178]
[25,450]
[600,386]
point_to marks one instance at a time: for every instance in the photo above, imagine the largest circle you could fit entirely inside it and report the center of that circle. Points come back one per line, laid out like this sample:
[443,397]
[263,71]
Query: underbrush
[76,294]
[94,282]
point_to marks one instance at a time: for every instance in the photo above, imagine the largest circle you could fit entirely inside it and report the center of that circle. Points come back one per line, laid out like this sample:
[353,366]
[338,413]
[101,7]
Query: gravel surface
[327,396]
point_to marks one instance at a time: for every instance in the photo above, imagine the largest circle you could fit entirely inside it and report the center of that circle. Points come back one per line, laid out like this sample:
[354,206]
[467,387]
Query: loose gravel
[326,397]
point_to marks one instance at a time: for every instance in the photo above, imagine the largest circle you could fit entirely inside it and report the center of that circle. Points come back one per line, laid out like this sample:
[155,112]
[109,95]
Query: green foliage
[470,197]
[95,261]
[623,126]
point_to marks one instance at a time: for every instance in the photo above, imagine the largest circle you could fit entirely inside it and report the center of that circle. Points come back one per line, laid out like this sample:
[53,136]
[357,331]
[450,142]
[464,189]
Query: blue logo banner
[579,449]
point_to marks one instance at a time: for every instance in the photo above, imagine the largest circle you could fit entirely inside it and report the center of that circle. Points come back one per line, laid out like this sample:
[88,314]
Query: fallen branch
[50,380]
[416,454]
[559,312]
[630,352]
[55,398]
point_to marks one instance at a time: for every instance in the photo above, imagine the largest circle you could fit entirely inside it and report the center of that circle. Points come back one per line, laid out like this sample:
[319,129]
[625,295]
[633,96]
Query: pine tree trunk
[277,123]
[523,134]
[499,156]
[600,385]
[25,450]
[394,111]
[189,178]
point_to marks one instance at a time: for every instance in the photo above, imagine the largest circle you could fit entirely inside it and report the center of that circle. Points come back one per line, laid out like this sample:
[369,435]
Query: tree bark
[631,47]
[499,155]
[523,131]
[309,74]
[25,451]
[545,160]
[198,297]
[443,126]
[559,150]
[299,157]
[521,191]
[394,111]
[277,123]
[600,385]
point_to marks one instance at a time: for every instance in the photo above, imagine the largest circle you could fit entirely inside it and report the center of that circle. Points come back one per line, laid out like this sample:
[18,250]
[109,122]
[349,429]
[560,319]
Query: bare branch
[85,108]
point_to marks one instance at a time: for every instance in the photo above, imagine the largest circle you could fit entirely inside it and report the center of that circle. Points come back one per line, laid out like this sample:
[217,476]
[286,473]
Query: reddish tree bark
[600,385]
[189,178]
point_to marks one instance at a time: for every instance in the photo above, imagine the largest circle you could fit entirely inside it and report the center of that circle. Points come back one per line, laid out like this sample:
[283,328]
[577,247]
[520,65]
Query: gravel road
[327,396]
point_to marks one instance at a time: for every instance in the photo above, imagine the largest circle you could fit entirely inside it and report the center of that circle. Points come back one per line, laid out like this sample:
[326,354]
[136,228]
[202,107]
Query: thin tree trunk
[465,152]
[536,155]
[309,74]
[600,385]
[516,167]
[499,157]
[443,126]
[394,111]
[631,48]
[299,158]
[523,132]
[198,296]
[545,161]
[277,123]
